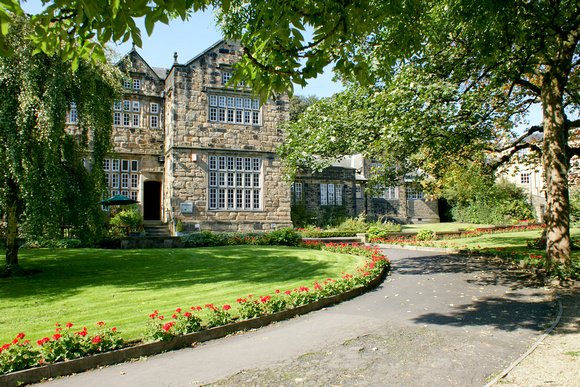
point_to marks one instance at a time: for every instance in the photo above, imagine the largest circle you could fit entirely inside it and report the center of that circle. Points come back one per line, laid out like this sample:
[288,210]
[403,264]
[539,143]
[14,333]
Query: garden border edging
[37,374]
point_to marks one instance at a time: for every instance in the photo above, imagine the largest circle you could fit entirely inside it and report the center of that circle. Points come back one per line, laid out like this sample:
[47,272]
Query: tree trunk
[12,267]
[556,164]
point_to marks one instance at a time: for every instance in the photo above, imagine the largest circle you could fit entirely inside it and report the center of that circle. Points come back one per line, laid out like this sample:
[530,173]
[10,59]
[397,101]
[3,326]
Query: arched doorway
[152,200]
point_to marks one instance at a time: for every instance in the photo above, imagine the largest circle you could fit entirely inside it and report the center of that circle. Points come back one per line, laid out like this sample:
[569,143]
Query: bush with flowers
[18,355]
[63,345]
[218,316]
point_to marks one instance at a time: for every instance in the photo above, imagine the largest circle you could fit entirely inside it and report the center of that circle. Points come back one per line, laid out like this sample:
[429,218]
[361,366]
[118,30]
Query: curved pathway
[437,320]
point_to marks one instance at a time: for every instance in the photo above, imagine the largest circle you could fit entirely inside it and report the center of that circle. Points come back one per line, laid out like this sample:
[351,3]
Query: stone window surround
[525,177]
[297,192]
[234,108]
[331,194]
[122,177]
[235,182]
[414,194]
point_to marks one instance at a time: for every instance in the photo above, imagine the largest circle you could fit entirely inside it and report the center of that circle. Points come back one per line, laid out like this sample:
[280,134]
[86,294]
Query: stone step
[156,229]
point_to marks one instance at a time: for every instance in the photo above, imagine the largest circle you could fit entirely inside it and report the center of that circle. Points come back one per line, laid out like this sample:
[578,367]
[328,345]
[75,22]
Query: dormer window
[127,83]
[136,84]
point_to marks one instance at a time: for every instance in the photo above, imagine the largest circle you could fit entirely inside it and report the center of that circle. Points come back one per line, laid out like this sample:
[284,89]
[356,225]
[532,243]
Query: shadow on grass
[64,272]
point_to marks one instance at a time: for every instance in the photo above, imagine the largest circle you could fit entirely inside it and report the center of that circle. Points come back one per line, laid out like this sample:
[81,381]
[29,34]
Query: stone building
[344,186]
[188,147]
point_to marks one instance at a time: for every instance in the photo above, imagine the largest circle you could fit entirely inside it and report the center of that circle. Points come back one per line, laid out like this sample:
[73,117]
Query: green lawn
[513,240]
[122,287]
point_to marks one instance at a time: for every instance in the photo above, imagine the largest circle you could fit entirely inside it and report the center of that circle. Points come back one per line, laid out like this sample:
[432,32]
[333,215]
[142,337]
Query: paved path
[437,320]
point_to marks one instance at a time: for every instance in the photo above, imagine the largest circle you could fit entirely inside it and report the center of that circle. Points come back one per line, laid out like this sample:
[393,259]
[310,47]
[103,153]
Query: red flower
[277,291]
[178,310]
[187,314]
[161,317]
[96,340]
[227,307]
[58,329]
[68,325]
[288,292]
[56,336]
[209,306]
[114,329]
[20,336]
[100,323]
[15,341]
[174,316]
[57,325]
[40,342]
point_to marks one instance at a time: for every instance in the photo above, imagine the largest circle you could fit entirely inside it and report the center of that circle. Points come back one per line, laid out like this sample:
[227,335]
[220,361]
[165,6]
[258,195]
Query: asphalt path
[437,320]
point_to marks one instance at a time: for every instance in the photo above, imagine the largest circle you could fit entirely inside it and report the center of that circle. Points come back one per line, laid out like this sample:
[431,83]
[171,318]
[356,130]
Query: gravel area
[556,361]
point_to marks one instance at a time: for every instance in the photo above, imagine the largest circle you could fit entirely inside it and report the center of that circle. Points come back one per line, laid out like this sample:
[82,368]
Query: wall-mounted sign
[186,208]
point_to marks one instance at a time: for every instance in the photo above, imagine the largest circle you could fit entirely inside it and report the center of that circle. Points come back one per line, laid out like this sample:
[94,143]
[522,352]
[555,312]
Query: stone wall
[195,137]
[311,181]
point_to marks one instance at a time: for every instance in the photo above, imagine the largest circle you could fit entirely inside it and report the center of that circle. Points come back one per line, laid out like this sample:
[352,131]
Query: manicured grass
[122,287]
[442,227]
[512,240]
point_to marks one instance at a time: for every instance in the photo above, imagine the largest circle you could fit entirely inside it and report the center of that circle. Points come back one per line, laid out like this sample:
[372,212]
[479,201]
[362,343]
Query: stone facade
[203,152]
[350,176]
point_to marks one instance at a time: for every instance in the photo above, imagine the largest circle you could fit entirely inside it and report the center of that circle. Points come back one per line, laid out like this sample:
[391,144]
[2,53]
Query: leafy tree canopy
[44,179]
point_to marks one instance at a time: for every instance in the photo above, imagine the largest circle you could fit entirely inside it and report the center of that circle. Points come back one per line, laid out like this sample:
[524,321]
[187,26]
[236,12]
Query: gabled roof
[159,73]
[203,53]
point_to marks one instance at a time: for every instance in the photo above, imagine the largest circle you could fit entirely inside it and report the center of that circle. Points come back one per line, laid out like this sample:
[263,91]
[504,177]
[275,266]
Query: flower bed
[66,344]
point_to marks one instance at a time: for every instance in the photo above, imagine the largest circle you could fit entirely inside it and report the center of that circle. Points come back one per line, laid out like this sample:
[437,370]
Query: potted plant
[179,228]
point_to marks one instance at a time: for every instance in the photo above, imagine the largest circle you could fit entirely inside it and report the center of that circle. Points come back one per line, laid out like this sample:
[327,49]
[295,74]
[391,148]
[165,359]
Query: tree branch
[529,85]
[268,68]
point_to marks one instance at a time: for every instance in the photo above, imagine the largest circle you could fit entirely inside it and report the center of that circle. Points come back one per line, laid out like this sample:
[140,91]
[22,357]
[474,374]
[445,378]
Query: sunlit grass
[122,287]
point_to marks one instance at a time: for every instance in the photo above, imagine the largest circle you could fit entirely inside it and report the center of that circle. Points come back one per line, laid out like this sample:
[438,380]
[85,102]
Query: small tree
[44,179]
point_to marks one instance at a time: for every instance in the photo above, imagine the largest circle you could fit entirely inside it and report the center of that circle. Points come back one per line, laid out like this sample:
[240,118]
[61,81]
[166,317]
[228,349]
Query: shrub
[330,216]
[179,226]
[358,225]
[388,226]
[67,243]
[382,230]
[425,235]
[193,240]
[129,216]
[285,237]
[301,217]
[326,234]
